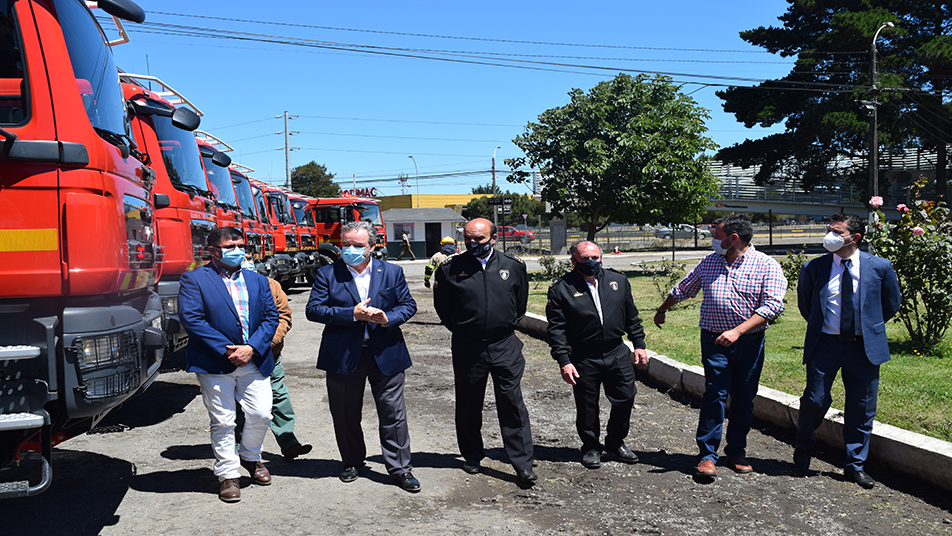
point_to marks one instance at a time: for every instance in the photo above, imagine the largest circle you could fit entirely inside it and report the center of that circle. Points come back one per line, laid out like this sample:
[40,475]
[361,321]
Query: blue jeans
[733,370]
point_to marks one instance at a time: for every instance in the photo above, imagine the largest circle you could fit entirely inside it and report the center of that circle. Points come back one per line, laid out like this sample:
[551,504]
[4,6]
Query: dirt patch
[154,476]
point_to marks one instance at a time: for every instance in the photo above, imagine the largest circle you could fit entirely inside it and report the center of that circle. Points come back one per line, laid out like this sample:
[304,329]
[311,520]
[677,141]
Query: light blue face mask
[232,257]
[354,256]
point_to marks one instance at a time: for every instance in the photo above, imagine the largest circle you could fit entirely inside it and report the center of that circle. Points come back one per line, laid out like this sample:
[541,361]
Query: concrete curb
[912,454]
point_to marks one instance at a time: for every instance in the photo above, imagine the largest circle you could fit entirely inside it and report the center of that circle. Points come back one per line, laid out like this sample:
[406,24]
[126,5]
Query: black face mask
[479,249]
[589,268]
[448,249]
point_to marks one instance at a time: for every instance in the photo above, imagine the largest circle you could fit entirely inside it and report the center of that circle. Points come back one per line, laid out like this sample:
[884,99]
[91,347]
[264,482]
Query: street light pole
[495,207]
[874,136]
[415,169]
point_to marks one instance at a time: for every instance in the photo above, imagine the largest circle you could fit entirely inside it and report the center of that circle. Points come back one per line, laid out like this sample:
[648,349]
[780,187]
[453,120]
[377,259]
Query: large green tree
[630,150]
[817,100]
[313,179]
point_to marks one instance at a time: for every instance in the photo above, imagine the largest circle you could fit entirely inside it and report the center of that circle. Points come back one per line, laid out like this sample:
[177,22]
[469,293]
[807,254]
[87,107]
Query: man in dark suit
[480,296]
[589,310]
[846,298]
[230,318]
[363,302]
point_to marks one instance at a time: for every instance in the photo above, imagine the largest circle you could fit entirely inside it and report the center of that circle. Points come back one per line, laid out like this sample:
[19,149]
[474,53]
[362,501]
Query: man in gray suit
[846,298]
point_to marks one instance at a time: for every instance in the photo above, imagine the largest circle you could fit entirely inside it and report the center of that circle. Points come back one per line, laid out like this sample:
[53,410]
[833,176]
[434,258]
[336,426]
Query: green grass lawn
[915,391]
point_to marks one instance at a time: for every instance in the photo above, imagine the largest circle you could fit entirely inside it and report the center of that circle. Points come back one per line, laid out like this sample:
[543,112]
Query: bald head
[479,231]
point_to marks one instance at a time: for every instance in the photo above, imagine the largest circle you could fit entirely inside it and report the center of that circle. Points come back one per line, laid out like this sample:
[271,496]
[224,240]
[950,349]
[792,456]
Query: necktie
[847,326]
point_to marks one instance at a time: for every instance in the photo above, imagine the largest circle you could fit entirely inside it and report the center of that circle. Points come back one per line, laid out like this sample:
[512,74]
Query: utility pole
[495,207]
[874,136]
[287,147]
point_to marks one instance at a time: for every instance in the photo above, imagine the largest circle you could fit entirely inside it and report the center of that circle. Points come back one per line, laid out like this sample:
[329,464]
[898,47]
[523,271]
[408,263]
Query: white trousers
[221,392]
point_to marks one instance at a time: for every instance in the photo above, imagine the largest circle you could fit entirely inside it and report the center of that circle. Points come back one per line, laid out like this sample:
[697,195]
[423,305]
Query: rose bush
[920,249]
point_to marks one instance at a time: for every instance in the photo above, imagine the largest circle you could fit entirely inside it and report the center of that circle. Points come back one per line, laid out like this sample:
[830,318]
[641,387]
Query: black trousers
[345,396]
[613,370]
[473,362]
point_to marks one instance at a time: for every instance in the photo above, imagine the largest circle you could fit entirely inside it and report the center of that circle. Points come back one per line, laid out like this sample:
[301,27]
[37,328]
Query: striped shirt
[235,283]
[754,284]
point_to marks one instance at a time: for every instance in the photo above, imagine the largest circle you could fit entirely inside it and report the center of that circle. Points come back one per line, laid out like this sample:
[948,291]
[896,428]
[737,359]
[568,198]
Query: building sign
[360,192]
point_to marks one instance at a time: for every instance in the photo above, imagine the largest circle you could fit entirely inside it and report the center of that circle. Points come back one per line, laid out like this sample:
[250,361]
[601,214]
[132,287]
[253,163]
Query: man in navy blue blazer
[230,318]
[846,298]
[362,302]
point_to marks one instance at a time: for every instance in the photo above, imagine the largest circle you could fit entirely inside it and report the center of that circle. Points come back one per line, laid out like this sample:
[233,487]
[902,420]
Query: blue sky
[364,114]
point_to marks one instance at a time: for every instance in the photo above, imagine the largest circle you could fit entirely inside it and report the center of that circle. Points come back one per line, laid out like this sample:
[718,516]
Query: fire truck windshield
[219,178]
[13,106]
[301,214]
[370,212]
[180,155]
[246,199]
[97,78]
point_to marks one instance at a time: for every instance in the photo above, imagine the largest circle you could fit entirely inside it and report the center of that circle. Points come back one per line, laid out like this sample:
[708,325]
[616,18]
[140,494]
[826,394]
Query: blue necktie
[847,326]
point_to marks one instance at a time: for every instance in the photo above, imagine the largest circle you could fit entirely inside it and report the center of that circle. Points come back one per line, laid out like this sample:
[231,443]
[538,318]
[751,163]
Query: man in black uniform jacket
[589,310]
[480,295]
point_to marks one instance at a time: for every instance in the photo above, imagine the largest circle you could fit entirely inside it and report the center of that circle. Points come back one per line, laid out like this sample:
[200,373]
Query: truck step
[20,421]
[19,352]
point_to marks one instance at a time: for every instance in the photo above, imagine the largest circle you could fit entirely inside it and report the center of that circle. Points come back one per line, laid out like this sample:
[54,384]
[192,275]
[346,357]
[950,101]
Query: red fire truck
[188,211]
[81,327]
[332,213]
[254,222]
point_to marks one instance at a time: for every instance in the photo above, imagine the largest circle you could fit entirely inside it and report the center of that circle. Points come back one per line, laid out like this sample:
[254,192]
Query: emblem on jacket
[577,295]
[613,285]
[504,274]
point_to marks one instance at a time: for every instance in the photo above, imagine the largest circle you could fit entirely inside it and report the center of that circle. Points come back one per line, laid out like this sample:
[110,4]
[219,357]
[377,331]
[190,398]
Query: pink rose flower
[876,201]
[902,207]
[918,230]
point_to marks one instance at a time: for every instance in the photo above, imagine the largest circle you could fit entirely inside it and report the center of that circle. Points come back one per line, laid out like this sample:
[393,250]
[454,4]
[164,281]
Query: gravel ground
[149,472]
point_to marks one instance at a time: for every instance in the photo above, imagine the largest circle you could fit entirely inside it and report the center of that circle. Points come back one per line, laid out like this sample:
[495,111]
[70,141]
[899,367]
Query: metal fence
[642,238]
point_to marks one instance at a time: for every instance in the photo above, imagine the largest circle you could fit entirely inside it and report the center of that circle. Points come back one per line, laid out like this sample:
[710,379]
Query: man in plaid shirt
[743,291]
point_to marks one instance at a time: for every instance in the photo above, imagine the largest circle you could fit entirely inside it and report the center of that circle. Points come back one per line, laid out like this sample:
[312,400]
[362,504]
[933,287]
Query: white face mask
[833,242]
[716,246]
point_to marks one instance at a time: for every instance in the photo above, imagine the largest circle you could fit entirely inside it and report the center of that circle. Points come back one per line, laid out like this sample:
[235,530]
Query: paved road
[154,476]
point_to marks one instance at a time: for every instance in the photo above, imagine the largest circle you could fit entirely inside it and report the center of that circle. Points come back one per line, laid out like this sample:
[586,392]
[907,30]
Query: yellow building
[453,201]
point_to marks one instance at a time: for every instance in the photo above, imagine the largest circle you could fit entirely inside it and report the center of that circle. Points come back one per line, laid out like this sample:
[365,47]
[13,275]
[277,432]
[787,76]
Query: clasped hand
[362,313]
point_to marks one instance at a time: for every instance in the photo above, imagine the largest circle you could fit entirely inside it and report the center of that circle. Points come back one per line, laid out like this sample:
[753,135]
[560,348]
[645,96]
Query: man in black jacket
[589,310]
[480,295]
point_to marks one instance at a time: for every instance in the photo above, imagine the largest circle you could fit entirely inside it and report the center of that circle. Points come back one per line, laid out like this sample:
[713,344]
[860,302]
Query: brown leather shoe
[740,465]
[706,468]
[229,491]
[259,474]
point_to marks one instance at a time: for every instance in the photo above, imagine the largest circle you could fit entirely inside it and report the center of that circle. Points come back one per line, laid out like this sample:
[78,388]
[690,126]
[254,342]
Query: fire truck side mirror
[161,201]
[123,9]
[185,119]
[221,159]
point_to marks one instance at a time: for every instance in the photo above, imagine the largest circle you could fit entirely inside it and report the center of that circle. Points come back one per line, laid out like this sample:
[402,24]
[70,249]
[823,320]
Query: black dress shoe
[625,455]
[296,450]
[407,482]
[801,460]
[471,467]
[592,459]
[526,477]
[861,478]
[349,474]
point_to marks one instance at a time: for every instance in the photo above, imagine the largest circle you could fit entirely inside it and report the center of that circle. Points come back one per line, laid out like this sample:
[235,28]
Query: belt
[745,336]
[837,337]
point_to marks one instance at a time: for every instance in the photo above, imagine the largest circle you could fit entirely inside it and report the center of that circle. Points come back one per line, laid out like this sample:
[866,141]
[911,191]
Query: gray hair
[362,226]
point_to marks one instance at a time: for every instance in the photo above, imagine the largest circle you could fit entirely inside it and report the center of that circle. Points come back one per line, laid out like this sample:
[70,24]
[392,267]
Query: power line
[473,59]
[437,36]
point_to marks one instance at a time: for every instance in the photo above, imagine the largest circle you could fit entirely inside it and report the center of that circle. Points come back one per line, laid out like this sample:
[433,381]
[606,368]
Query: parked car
[515,235]
[709,227]
[682,231]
